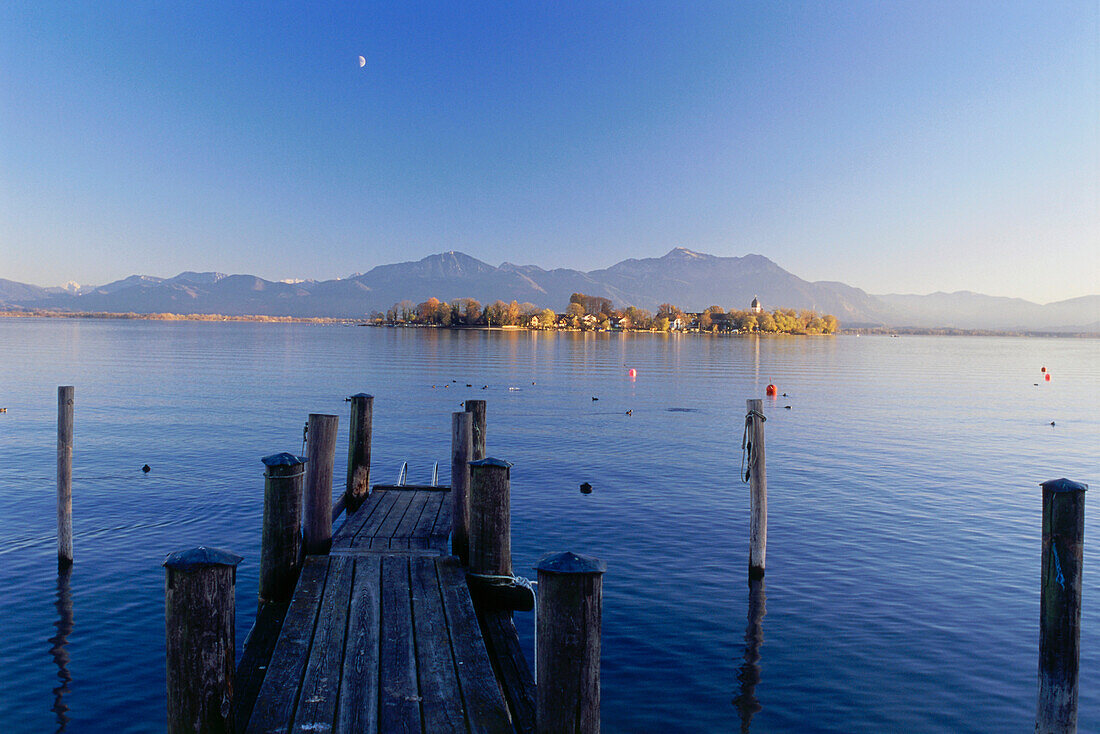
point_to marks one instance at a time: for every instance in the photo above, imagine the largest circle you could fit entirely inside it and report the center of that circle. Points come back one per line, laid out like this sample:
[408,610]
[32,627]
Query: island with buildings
[595,313]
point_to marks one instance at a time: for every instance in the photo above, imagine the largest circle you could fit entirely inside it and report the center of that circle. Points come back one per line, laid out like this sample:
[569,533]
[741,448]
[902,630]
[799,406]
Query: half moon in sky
[362,62]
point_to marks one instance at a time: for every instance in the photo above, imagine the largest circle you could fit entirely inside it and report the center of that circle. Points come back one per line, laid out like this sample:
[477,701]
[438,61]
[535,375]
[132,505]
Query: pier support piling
[1060,606]
[461,455]
[199,639]
[477,408]
[64,476]
[362,412]
[570,601]
[317,504]
[490,517]
[758,487]
[281,548]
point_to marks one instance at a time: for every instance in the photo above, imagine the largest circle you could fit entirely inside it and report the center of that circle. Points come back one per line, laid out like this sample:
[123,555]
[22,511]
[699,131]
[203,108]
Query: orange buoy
[1042,369]
[772,391]
[1048,377]
[633,372]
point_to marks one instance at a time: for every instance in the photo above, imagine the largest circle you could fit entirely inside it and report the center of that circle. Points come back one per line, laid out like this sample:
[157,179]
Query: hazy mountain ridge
[691,280]
[969,310]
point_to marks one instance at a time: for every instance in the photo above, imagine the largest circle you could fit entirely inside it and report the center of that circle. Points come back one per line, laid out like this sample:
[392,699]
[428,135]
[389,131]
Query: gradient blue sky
[896,146]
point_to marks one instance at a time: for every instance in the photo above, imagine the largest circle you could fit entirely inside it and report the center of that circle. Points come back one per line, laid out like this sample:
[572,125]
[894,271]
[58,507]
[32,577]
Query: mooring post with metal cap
[64,476]
[1060,606]
[462,448]
[359,436]
[490,518]
[758,487]
[477,409]
[570,602]
[281,548]
[317,504]
[199,639]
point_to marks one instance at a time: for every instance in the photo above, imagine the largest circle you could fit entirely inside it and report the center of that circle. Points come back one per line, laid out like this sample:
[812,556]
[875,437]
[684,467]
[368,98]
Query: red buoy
[772,391]
[1043,369]
[633,372]
[1048,377]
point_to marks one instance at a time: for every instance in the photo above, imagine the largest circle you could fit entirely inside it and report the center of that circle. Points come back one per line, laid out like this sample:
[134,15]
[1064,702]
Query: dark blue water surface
[904,507]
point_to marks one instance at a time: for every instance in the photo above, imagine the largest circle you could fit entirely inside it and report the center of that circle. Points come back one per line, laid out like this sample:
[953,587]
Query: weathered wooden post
[758,487]
[461,454]
[477,408]
[490,517]
[199,636]
[64,476]
[1060,606]
[362,411]
[570,601]
[317,505]
[281,549]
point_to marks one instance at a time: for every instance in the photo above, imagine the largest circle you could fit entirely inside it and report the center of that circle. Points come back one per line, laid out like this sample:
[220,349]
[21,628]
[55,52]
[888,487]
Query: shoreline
[260,319]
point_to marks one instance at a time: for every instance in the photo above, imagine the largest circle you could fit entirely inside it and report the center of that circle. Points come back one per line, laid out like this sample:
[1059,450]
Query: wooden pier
[381,634]
[380,626]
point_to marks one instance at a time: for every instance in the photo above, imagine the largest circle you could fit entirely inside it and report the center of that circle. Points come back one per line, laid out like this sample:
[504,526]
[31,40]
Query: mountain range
[690,280]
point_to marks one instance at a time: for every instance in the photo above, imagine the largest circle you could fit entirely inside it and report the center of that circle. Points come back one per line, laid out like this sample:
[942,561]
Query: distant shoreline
[213,317]
[249,318]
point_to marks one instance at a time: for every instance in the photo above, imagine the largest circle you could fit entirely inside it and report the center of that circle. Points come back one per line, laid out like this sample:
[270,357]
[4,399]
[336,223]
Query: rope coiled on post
[746,444]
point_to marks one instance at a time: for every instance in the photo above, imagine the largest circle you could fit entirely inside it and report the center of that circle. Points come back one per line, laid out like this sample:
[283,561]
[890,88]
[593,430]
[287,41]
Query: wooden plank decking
[381,635]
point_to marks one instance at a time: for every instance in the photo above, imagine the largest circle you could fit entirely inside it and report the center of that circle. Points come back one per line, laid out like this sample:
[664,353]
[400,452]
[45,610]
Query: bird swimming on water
[586,488]
[147,468]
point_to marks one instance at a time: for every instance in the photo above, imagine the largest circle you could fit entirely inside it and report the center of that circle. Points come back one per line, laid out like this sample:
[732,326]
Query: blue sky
[895,146]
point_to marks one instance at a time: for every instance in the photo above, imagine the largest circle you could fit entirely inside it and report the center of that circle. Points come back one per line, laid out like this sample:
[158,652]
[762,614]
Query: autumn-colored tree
[786,320]
[494,313]
[592,304]
[639,317]
[669,311]
[465,311]
[426,311]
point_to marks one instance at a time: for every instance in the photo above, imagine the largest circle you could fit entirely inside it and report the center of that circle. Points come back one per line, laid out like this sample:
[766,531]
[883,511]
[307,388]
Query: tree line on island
[595,313]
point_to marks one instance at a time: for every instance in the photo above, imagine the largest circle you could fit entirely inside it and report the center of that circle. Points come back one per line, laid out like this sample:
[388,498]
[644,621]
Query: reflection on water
[748,675]
[64,625]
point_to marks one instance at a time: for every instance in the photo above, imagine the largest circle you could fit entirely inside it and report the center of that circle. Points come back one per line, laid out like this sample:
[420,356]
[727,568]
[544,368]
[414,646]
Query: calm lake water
[904,506]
